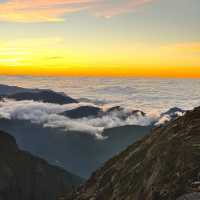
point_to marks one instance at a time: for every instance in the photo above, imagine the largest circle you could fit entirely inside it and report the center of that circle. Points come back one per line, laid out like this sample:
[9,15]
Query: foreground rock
[25,177]
[163,166]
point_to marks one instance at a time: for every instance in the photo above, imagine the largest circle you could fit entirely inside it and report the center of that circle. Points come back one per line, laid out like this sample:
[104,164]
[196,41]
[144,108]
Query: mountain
[164,165]
[93,111]
[25,177]
[8,90]
[124,114]
[46,96]
[77,152]
[121,109]
[82,111]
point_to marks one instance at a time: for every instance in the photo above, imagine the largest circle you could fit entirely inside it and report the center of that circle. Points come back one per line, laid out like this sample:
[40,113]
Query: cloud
[166,118]
[124,6]
[49,116]
[55,10]
[39,10]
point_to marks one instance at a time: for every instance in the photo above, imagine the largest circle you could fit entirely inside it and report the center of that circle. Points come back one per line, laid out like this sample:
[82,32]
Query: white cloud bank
[48,115]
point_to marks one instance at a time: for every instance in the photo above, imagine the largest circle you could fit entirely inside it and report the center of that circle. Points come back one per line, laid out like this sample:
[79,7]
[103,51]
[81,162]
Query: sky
[158,38]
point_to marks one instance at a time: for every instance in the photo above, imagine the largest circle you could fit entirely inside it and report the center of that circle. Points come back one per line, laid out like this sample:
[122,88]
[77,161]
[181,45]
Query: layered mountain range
[75,149]
[134,159]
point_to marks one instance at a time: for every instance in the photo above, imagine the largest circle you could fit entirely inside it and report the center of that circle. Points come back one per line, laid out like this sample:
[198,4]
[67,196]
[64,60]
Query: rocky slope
[164,165]
[25,177]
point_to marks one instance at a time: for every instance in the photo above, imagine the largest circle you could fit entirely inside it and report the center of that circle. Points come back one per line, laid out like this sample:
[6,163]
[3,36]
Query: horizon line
[99,76]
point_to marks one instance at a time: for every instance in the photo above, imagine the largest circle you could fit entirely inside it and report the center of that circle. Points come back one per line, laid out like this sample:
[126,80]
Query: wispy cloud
[55,10]
[109,9]
[20,51]
[39,10]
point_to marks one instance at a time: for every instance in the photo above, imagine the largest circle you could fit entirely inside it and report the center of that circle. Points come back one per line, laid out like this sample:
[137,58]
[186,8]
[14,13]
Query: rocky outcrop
[25,177]
[164,165]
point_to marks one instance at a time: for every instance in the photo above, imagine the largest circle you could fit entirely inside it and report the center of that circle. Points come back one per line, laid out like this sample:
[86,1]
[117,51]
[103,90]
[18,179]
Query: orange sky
[100,38]
[37,57]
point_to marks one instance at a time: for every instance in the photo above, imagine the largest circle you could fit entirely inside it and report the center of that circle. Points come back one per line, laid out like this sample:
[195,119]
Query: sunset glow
[100,38]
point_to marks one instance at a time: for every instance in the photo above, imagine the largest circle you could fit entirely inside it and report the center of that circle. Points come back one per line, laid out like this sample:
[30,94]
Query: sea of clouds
[49,115]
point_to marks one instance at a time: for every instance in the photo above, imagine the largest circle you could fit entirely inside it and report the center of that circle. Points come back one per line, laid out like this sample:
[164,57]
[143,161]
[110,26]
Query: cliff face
[25,177]
[164,165]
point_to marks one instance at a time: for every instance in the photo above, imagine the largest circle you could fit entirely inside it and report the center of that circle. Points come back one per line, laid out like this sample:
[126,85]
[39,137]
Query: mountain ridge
[164,165]
[44,95]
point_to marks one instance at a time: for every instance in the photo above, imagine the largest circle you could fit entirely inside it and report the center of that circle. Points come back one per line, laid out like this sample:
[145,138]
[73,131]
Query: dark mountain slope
[25,177]
[77,152]
[162,166]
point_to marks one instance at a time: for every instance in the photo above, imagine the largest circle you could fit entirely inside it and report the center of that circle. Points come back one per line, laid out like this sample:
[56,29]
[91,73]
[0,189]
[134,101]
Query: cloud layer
[55,10]
[49,116]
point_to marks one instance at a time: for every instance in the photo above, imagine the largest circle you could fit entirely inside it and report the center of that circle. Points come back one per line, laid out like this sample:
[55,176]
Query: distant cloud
[55,10]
